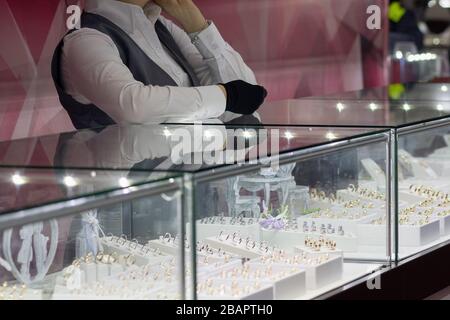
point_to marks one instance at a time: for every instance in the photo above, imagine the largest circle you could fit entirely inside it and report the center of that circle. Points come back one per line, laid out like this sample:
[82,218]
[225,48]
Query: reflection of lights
[18,180]
[167,132]
[330,136]
[340,107]
[431,3]
[444,3]
[171,180]
[124,182]
[373,106]
[70,181]
[421,57]
[440,107]
[399,55]
[436,41]
[93,174]
[288,135]
[444,88]
[207,134]
[247,134]
[406,107]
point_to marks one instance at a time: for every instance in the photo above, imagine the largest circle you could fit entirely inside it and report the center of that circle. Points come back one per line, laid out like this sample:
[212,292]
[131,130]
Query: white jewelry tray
[444,225]
[349,225]
[346,195]
[287,240]
[140,260]
[444,222]
[309,251]
[235,249]
[265,293]
[441,165]
[319,275]
[437,184]
[205,230]
[409,236]
[288,287]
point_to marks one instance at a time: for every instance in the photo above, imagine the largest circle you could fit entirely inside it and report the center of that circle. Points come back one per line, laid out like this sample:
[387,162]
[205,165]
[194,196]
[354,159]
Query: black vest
[141,66]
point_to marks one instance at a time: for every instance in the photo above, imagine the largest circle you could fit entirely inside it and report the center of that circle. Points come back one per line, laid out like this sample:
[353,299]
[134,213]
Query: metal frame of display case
[65,208]
[388,134]
[396,134]
[209,175]
[188,183]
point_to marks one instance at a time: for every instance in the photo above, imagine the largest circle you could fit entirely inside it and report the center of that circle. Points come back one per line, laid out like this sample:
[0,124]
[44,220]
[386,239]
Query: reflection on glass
[105,252]
[424,189]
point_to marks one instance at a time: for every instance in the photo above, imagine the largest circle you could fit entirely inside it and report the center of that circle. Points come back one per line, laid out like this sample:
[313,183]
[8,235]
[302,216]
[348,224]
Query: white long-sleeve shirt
[93,72]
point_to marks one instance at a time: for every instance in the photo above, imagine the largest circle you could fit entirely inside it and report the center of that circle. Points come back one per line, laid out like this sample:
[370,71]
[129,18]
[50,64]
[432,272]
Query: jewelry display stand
[288,287]
[447,139]
[444,225]
[409,235]
[299,201]
[420,169]
[263,293]
[286,282]
[375,172]
[19,292]
[349,225]
[346,195]
[321,274]
[439,160]
[246,227]
[311,252]
[141,259]
[234,248]
[289,239]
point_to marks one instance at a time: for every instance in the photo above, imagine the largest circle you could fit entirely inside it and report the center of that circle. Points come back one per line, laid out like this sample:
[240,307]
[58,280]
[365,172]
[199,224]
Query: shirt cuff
[214,101]
[209,41]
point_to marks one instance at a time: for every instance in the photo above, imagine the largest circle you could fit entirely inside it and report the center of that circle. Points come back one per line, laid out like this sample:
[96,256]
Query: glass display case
[420,132]
[272,212]
[86,234]
[395,92]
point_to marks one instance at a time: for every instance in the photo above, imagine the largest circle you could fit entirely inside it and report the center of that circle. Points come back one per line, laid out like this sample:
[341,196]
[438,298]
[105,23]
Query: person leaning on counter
[129,64]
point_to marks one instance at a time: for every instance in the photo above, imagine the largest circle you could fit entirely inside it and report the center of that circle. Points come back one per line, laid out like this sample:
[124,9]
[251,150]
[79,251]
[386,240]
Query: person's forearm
[186,12]
[193,20]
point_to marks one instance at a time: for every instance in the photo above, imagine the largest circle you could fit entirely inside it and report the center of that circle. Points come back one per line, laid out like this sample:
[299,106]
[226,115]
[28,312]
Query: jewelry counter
[270,213]
[74,234]
[418,117]
[288,216]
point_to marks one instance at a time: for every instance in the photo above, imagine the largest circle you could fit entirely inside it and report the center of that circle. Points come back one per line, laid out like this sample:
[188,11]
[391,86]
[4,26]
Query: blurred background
[297,48]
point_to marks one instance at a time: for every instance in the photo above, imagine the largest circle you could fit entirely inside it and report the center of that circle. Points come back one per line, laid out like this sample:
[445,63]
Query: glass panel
[23,188]
[396,91]
[298,230]
[122,250]
[159,148]
[424,188]
[339,112]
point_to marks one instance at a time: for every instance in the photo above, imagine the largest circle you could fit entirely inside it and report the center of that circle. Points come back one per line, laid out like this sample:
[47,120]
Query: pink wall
[296,47]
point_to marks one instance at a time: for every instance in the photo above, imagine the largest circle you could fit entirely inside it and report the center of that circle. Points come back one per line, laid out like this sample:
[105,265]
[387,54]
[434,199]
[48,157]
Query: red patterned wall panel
[296,47]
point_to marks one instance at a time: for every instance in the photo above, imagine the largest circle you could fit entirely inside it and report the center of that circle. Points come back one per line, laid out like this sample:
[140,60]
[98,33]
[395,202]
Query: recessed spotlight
[124,182]
[18,179]
[288,135]
[330,136]
[70,181]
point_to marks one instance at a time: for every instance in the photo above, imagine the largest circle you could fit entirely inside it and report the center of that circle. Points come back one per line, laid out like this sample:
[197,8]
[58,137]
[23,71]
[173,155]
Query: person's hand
[243,97]
[186,12]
